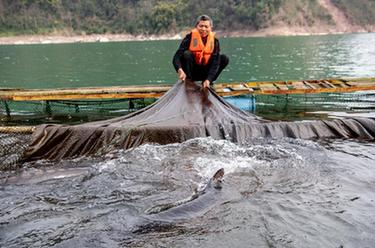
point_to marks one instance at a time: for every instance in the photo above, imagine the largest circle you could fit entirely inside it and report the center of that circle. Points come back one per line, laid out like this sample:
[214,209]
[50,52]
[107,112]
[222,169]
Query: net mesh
[186,111]
[13,144]
[67,111]
[273,107]
[312,106]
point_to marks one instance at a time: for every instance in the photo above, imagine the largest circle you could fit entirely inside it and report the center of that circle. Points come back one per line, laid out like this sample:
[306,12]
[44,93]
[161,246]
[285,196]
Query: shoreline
[63,39]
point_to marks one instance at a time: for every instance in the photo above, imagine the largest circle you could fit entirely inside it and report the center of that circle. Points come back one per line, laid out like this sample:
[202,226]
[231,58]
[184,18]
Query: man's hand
[206,84]
[181,74]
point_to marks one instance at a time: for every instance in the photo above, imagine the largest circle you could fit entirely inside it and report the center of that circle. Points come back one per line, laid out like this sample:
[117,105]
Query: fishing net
[15,113]
[13,143]
[186,111]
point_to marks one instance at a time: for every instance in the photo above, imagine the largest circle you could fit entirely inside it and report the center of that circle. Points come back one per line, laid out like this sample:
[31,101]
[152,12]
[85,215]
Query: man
[198,58]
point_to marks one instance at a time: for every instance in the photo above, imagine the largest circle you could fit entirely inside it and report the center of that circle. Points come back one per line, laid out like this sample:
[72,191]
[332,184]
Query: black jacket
[213,64]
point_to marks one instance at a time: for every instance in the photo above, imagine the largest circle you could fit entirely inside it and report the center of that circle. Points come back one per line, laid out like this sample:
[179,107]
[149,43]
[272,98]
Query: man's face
[204,28]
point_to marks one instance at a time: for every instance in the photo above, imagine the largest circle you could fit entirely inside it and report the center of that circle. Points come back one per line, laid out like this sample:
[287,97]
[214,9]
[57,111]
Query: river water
[149,62]
[144,62]
[275,193]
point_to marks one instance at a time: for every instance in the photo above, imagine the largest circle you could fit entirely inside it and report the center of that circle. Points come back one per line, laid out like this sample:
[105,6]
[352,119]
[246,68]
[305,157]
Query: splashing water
[276,193]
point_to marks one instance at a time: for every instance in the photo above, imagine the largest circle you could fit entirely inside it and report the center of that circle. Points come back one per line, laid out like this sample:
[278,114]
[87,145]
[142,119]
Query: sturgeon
[196,205]
[35,175]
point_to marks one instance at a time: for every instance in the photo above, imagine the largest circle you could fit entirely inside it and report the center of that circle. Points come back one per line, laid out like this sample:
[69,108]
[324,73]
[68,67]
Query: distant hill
[173,16]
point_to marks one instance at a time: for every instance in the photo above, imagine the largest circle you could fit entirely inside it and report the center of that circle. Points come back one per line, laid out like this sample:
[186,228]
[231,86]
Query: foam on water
[276,193]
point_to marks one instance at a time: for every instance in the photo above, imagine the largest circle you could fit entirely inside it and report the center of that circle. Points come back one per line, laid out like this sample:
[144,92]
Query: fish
[196,205]
[35,175]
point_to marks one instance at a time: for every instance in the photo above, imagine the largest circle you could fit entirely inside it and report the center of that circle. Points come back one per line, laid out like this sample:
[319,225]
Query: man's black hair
[204,18]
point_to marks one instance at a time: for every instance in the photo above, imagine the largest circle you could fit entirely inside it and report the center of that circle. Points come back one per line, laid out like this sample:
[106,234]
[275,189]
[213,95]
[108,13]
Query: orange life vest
[202,53]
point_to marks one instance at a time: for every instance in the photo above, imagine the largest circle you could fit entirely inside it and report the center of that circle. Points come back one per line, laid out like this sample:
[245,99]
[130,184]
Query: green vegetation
[361,12]
[165,16]
[130,16]
[304,13]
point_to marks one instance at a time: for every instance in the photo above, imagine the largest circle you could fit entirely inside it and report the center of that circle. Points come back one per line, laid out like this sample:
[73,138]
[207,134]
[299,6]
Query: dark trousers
[200,72]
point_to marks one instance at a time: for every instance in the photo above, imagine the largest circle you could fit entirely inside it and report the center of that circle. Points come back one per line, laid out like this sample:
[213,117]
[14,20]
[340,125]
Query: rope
[18,129]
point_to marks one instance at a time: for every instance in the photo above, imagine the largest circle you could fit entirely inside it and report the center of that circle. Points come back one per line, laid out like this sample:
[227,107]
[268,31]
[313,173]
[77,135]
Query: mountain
[148,17]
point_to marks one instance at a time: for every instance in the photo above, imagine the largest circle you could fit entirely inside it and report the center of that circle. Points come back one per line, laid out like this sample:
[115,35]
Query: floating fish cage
[269,106]
[77,105]
[67,111]
[244,102]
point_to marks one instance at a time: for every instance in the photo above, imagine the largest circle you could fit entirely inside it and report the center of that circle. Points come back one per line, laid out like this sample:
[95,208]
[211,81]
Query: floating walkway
[222,89]
[156,91]
[297,87]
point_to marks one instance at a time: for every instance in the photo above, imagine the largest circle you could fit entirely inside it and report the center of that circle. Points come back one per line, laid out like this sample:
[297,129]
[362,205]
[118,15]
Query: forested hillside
[172,16]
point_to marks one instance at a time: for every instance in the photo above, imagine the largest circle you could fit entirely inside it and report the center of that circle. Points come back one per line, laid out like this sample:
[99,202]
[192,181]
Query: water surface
[149,62]
[276,193]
